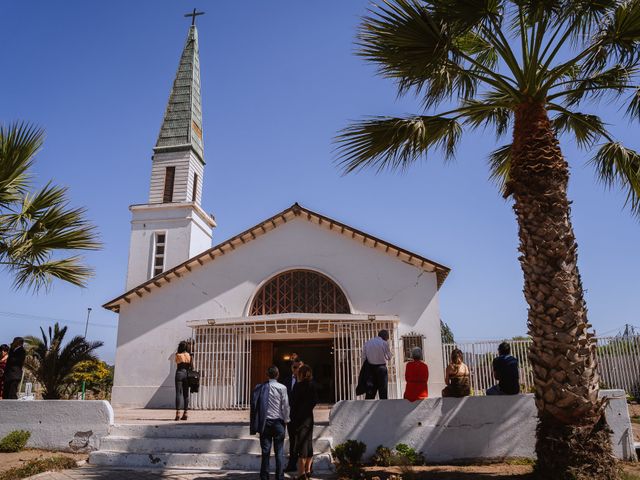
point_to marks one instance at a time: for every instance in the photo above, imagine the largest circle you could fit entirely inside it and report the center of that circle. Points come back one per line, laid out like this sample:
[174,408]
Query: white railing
[618,362]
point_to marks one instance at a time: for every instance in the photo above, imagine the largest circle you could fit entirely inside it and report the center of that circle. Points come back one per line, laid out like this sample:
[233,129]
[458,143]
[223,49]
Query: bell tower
[172,227]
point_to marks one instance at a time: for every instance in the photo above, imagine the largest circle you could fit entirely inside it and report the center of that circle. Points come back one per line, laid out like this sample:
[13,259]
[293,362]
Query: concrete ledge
[61,425]
[450,429]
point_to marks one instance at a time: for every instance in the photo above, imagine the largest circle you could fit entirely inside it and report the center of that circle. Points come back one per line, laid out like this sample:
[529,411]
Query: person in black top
[13,369]
[303,399]
[290,381]
[183,365]
[505,369]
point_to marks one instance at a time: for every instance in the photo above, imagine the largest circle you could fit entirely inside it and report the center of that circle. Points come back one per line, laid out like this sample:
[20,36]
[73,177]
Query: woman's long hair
[183,347]
[305,373]
[456,359]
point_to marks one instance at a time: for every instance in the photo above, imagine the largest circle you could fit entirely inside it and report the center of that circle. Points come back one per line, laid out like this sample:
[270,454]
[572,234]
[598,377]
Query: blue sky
[278,80]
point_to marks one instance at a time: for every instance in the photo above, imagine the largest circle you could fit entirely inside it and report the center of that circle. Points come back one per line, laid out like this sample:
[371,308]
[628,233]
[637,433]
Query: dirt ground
[498,471]
[11,460]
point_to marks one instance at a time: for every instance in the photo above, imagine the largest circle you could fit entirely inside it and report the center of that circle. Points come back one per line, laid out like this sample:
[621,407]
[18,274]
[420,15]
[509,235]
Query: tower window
[169,178]
[194,193]
[158,253]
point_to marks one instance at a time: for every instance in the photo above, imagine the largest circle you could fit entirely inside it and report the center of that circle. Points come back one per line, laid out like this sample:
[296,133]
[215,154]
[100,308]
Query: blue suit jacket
[259,404]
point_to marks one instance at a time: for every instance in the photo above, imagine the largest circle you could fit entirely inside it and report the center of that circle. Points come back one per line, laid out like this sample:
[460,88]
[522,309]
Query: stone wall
[449,429]
[60,425]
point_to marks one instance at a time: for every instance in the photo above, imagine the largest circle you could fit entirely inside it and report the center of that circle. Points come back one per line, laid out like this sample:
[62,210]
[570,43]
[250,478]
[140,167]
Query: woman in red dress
[416,375]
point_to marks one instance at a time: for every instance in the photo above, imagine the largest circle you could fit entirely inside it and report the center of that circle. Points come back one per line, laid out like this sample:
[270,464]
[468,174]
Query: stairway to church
[215,446]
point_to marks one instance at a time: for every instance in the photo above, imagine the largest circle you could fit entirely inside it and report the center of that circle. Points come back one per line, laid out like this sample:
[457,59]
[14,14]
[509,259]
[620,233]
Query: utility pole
[86,326]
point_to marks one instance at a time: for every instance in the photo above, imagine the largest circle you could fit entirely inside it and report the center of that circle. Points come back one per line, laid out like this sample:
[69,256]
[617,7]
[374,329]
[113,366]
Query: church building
[297,282]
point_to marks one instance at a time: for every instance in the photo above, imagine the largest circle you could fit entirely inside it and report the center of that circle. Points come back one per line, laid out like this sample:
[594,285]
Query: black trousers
[380,381]
[182,389]
[10,389]
[293,454]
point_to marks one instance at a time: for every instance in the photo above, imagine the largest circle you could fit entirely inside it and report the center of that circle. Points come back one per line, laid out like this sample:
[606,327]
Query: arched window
[299,291]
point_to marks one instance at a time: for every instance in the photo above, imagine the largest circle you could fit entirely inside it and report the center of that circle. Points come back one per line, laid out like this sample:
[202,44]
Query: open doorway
[318,354]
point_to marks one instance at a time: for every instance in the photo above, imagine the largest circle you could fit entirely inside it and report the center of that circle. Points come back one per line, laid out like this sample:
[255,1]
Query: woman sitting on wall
[183,364]
[416,375]
[457,377]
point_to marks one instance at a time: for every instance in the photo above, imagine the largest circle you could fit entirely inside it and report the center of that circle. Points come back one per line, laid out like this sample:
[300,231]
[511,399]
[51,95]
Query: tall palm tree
[54,364]
[38,228]
[525,68]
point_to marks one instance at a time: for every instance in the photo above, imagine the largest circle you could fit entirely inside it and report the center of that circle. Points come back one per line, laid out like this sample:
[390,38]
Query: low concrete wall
[62,425]
[447,429]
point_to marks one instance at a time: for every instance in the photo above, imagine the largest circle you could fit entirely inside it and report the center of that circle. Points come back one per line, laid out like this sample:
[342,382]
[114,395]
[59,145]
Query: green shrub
[382,457]
[408,456]
[14,441]
[348,459]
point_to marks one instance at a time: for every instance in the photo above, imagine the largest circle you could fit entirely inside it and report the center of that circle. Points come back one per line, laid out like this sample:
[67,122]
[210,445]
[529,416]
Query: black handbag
[193,380]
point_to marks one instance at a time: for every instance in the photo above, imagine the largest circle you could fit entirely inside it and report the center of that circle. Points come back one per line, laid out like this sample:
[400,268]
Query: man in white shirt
[269,417]
[377,353]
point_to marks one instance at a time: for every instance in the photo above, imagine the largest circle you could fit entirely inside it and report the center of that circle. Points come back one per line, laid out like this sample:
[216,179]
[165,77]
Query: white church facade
[298,282]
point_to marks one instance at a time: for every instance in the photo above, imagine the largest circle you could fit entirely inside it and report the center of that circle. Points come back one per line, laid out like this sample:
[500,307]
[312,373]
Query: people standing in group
[376,353]
[416,375]
[457,377]
[290,382]
[4,356]
[303,400]
[506,371]
[183,365]
[13,369]
[269,416]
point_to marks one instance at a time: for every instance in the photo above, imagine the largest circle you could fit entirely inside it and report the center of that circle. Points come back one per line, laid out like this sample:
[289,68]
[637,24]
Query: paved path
[99,473]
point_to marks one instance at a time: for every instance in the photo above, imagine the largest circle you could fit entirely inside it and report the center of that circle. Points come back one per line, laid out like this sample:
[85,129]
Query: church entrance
[317,353]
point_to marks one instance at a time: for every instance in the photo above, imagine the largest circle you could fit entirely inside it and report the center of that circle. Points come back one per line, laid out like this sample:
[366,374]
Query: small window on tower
[194,193]
[169,177]
[158,254]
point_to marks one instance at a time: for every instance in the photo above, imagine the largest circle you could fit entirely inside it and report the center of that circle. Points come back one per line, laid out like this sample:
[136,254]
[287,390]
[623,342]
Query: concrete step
[194,445]
[197,430]
[212,461]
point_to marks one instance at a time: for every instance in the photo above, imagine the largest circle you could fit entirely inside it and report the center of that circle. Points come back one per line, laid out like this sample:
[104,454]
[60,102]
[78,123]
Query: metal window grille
[409,342]
[299,291]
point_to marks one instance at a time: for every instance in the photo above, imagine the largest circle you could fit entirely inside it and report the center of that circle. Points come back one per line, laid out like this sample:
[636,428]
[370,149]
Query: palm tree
[36,227]
[521,67]
[54,365]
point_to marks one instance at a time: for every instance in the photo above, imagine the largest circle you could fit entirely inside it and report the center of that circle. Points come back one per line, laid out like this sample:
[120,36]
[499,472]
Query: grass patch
[34,467]
[14,441]
[635,419]
[520,461]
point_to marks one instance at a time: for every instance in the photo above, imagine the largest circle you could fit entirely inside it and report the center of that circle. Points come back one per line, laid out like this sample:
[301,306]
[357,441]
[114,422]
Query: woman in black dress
[304,398]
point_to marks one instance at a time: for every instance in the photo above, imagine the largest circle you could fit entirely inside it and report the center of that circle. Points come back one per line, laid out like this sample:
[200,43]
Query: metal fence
[618,362]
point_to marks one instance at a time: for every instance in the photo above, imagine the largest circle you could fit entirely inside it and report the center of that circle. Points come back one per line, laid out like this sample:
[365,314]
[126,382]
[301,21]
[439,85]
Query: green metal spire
[182,125]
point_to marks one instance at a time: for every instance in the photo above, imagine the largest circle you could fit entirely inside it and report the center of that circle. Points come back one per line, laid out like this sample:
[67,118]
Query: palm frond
[499,166]
[618,36]
[395,143]
[37,276]
[19,143]
[633,110]
[619,166]
[586,128]
[595,85]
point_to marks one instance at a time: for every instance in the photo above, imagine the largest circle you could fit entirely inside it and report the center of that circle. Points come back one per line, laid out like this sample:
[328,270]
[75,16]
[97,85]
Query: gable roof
[269,224]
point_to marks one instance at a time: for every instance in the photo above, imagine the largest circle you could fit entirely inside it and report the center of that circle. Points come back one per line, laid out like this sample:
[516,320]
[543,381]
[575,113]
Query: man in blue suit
[268,417]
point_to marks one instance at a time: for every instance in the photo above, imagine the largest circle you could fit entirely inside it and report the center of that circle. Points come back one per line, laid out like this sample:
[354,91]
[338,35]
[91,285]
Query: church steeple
[178,157]
[172,227]
[182,125]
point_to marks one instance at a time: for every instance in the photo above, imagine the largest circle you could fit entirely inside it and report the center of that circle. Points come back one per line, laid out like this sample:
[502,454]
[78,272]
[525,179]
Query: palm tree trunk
[572,437]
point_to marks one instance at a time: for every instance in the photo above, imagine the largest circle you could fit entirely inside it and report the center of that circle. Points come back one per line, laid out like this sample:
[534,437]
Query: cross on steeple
[193,16]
